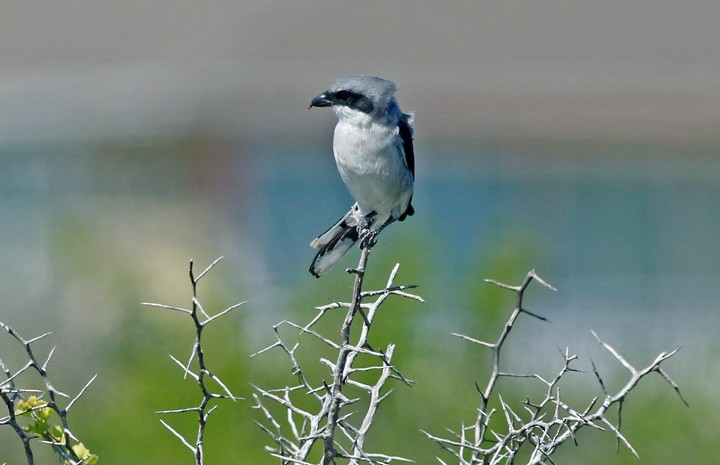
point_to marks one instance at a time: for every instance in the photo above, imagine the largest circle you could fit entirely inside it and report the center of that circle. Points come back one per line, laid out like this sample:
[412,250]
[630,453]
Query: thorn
[538,279]
[535,315]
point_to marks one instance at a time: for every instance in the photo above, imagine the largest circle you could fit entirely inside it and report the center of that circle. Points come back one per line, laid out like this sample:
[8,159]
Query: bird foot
[368,237]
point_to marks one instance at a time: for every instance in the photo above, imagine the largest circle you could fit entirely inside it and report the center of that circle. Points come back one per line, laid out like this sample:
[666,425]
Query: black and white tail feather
[373,150]
[334,243]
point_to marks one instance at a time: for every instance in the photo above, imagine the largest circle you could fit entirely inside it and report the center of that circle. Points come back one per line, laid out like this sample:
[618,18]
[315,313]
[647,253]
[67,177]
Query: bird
[373,150]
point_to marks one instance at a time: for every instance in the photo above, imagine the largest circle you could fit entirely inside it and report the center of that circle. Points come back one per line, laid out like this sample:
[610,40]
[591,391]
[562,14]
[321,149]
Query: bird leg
[368,236]
[364,225]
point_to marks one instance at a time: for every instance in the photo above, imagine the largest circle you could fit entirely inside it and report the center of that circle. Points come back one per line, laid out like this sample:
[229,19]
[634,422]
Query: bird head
[363,94]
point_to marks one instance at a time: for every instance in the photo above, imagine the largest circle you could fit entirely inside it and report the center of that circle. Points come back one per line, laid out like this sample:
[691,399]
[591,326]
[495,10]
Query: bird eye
[353,100]
[343,95]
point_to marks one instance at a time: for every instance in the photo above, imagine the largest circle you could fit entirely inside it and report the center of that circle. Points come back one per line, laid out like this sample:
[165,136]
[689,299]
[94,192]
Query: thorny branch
[543,425]
[39,405]
[202,373]
[327,423]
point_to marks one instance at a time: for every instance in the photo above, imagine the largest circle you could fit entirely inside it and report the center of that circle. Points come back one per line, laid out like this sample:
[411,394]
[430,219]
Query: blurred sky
[561,69]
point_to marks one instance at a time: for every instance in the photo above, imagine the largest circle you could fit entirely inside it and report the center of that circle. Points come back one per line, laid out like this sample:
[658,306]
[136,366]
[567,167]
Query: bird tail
[334,244]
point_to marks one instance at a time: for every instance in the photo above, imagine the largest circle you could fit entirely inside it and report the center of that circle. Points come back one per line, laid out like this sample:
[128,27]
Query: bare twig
[202,373]
[547,423]
[328,424]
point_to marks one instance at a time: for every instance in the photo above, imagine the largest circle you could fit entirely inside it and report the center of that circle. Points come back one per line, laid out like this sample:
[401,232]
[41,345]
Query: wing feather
[406,135]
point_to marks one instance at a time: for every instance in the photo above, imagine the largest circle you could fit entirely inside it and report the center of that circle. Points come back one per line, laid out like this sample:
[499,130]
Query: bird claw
[368,238]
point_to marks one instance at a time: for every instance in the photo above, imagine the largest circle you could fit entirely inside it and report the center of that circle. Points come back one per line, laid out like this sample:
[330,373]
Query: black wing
[406,135]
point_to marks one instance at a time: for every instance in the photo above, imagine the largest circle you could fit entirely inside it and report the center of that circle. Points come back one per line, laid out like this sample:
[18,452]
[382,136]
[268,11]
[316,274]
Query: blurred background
[579,139]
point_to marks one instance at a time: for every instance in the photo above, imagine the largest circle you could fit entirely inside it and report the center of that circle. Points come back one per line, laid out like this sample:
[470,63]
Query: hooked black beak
[321,100]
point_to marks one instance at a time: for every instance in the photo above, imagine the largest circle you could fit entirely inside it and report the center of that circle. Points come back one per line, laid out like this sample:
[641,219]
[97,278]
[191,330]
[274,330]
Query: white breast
[372,165]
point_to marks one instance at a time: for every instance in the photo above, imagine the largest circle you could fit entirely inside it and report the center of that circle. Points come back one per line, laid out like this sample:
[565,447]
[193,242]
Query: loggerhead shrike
[374,154]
